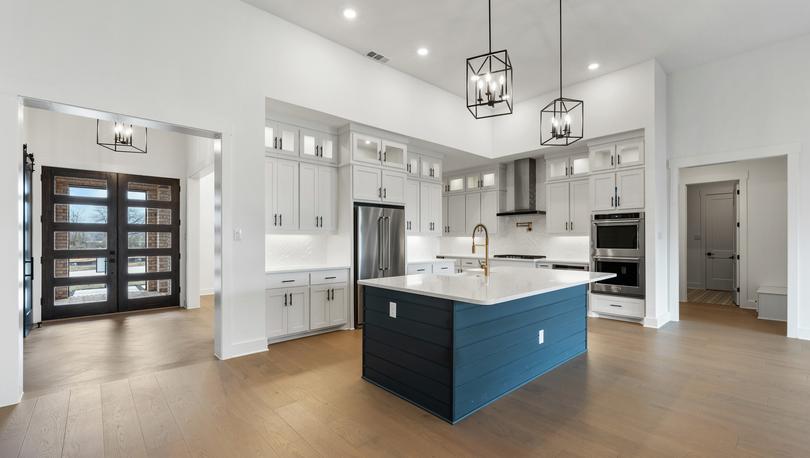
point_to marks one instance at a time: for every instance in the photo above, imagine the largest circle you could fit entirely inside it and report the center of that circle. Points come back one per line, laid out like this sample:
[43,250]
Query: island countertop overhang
[504,284]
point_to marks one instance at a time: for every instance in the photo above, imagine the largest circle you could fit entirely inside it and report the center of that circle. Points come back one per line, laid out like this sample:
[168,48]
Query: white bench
[772,303]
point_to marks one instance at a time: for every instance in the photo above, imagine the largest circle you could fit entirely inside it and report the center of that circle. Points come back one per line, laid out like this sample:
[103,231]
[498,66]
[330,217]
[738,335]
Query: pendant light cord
[489,4]
[561,58]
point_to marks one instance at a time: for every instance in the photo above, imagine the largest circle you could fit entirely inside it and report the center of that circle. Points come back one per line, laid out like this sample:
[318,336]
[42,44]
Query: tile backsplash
[510,239]
[304,250]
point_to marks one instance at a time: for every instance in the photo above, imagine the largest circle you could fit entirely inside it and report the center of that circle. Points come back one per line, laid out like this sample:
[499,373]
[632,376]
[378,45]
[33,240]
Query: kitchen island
[452,344]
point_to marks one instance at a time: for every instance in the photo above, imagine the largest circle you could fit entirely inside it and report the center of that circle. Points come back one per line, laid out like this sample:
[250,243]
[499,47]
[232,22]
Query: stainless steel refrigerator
[379,247]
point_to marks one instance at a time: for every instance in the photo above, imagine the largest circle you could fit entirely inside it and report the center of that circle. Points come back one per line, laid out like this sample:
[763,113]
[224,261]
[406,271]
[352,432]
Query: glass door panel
[148,242]
[79,243]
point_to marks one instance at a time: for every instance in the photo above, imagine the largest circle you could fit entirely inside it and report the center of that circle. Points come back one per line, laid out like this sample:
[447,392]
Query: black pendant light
[122,138]
[561,121]
[489,81]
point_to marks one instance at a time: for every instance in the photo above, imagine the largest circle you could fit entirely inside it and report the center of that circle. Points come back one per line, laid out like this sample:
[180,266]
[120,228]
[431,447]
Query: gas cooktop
[519,256]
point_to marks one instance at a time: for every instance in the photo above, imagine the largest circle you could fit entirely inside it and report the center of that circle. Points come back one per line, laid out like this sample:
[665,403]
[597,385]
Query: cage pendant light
[489,81]
[562,120]
[121,139]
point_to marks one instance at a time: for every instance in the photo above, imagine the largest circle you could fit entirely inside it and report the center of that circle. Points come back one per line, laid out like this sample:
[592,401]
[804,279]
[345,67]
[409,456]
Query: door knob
[709,253]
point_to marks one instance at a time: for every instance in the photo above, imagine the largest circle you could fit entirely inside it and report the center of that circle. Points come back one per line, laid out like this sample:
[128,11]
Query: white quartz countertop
[288,269]
[504,284]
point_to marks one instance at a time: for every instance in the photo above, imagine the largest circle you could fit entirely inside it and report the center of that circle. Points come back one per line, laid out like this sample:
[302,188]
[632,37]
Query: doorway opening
[109,234]
[734,243]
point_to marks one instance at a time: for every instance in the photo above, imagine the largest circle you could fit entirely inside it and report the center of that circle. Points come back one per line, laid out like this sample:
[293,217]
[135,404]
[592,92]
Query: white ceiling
[615,33]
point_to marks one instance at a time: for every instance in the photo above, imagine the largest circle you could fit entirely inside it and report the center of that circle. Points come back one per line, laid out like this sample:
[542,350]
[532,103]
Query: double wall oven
[617,246]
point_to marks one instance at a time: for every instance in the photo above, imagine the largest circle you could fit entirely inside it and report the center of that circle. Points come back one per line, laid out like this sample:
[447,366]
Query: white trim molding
[677,199]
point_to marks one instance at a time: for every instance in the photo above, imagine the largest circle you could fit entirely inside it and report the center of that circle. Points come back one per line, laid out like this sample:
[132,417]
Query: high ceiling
[615,33]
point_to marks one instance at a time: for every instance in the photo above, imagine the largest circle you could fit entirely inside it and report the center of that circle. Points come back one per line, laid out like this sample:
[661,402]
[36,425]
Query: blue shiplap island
[452,344]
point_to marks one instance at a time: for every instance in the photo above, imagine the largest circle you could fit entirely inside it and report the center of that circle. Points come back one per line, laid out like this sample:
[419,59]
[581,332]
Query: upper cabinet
[454,184]
[373,150]
[616,155]
[431,168]
[281,195]
[375,185]
[568,208]
[281,138]
[318,197]
[621,190]
[567,166]
[487,179]
[412,166]
[318,145]
[430,208]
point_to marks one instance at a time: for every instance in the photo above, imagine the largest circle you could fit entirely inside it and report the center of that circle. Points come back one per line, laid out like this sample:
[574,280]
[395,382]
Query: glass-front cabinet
[454,184]
[318,145]
[431,168]
[373,150]
[281,138]
[412,167]
[482,180]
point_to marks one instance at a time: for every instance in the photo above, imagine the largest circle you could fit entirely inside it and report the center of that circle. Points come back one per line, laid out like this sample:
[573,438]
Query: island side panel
[497,349]
[410,355]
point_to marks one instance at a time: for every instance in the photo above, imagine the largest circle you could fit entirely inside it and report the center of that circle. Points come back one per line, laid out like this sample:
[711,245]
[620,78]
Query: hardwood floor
[67,353]
[718,383]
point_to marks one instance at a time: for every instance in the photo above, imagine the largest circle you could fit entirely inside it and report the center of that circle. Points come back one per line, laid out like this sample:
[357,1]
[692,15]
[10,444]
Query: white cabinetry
[456,214]
[430,208]
[281,194]
[412,207]
[318,145]
[287,311]
[616,155]
[567,208]
[567,166]
[618,190]
[488,179]
[318,199]
[624,307]
[412,167]
[298,302]
[431,168]
[481,207]
[373,150]
[378,185]
[280,138]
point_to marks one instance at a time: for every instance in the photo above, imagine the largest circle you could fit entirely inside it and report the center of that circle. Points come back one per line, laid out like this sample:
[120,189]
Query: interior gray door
[719,218]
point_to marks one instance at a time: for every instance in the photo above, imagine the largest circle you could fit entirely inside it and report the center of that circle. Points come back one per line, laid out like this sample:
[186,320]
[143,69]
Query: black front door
[109,242]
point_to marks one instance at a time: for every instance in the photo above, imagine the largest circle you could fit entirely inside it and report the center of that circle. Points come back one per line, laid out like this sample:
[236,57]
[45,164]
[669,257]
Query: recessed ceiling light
[422,51]
[593,66]
[349,13]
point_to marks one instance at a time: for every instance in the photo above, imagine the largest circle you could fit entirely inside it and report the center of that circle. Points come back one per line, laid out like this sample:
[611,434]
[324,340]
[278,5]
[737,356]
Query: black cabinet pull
[618,159]
[611,160]
[287,281]
[285,299]
[280,143]
[290,299]
[329,278]
[281,219]
[572,225]
[566,225]
[618,201]
[611,201]
[385,193]
[275,142]
[379,192]
[275,219]
[616,305]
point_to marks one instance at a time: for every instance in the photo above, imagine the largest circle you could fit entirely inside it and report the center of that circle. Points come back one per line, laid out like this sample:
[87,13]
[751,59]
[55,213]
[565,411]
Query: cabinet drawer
[444,268]
[422,268]
[287,280]
[615,305]
[324,277]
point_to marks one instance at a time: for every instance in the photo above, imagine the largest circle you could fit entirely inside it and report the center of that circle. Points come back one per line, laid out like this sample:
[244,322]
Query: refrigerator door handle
[380,224]
[388,242]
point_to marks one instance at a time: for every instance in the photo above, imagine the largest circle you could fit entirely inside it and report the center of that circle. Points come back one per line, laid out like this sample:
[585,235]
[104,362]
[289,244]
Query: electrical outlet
[392,309]
[541,336]
[237,235]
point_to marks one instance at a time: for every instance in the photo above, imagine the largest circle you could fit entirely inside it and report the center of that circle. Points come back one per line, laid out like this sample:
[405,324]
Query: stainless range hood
[525,194]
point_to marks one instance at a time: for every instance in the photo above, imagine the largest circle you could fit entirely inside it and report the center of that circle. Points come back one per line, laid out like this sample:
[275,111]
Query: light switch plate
[392,309]
[541,336]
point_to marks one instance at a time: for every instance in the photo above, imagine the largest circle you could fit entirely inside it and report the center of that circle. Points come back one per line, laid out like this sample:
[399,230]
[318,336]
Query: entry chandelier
[489,81]
[122,139]
[561,121]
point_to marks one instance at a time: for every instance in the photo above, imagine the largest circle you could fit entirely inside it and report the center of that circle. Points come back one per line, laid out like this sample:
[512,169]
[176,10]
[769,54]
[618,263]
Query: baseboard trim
[206,292]
[803,333]
[656,322]
[244,348]
[11,400]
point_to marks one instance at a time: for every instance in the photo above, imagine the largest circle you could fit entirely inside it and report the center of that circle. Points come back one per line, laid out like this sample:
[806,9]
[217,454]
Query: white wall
[206,237]
[766,218]
[60,140]
[211,73]
[759,99]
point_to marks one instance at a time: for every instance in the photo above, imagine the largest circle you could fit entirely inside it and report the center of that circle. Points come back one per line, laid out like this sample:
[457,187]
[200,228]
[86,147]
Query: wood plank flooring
[718,383]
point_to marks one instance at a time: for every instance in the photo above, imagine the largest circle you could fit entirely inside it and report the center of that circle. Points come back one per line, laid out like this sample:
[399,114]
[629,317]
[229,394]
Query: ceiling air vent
[377,57]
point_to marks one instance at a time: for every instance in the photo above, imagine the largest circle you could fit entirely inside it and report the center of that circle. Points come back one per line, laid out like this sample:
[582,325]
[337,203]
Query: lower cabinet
[318,300]
[327,306]
[287,311]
